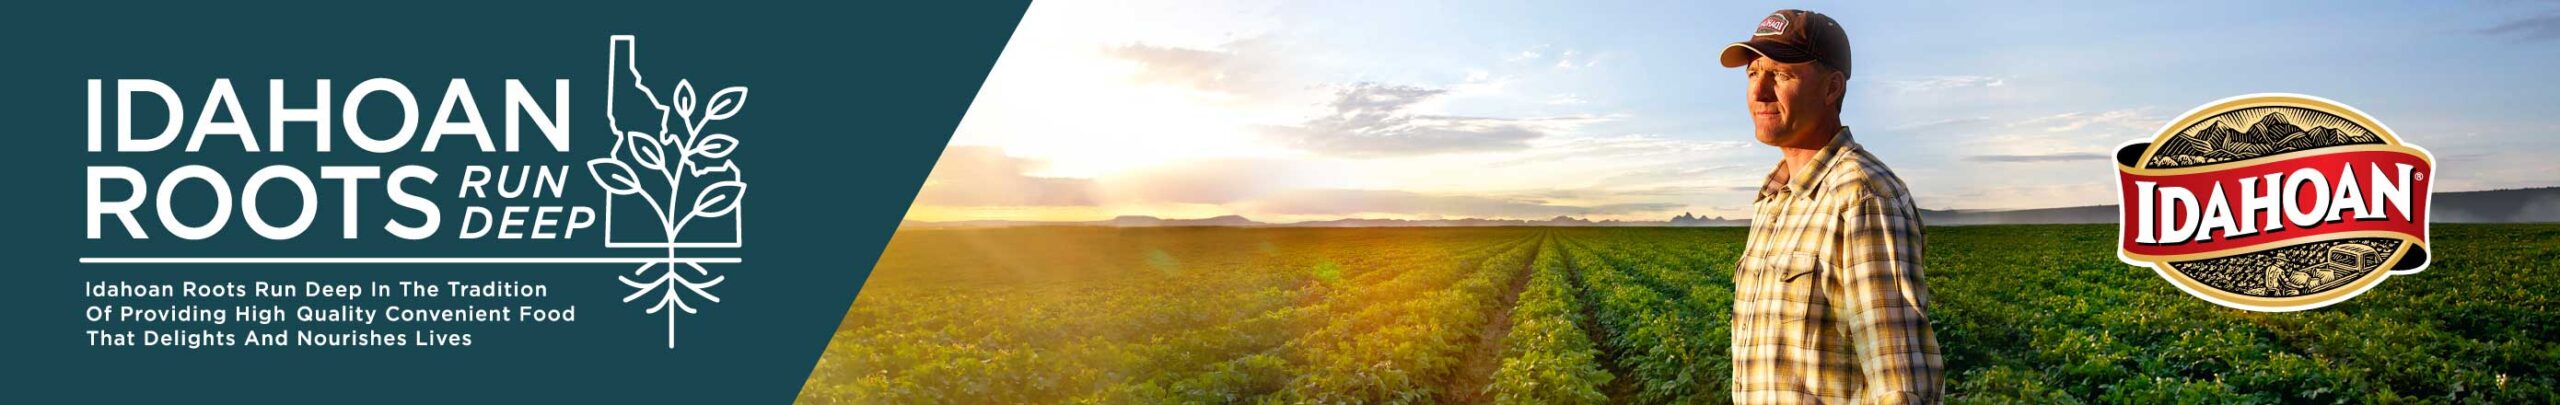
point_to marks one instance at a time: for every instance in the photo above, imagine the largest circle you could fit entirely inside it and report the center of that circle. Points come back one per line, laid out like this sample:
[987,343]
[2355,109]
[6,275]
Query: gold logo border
[2161,264]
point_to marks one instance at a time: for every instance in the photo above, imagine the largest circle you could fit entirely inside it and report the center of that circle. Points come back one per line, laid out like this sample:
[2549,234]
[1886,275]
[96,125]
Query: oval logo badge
[2274,202]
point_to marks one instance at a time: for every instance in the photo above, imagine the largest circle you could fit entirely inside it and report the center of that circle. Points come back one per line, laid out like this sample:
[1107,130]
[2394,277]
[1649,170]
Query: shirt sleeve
[1885,302]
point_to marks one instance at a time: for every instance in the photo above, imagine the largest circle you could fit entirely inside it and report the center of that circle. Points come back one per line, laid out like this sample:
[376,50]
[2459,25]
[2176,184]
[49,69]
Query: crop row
[1664,325]
[1398,340]
[1547,357]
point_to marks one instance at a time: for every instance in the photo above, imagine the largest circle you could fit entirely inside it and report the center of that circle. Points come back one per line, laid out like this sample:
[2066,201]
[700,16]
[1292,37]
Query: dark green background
[849,107]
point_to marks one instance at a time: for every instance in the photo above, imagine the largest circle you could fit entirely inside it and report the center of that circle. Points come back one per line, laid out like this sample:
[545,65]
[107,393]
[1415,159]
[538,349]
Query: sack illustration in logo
[2274,202]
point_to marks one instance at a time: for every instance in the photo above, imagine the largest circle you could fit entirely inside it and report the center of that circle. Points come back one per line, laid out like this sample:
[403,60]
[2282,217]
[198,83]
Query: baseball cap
[1793,36]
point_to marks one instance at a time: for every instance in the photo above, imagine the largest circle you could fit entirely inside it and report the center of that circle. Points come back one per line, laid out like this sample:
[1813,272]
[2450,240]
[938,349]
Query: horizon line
[402,260]
[1582,218]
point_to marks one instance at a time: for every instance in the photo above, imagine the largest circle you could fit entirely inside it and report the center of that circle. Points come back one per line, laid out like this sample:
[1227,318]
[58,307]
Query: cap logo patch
[1773,25]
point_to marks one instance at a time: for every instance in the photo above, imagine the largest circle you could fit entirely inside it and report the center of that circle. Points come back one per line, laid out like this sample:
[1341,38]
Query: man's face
[1789,100]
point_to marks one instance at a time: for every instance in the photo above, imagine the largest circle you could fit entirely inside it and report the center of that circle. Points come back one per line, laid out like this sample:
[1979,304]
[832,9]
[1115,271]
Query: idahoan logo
[2274,202]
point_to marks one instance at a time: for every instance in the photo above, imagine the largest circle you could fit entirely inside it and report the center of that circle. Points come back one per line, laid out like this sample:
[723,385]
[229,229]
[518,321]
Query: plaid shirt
[1829,304]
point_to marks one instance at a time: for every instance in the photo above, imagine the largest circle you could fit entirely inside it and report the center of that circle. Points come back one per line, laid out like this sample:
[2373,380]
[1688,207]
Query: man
[1829,303]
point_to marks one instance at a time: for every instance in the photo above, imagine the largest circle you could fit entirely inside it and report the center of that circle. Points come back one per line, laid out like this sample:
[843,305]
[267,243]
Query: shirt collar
[1804,178]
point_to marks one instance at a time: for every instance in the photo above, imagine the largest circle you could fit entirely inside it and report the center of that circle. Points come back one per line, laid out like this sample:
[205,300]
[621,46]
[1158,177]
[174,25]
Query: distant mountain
[2269,129]
[1391,223]
[1124,221]
[2272,134]
[2093,214]
[1557,221]
[2532,205]
[1692,220]
[1222,220]
[1141,220]
[2192,144]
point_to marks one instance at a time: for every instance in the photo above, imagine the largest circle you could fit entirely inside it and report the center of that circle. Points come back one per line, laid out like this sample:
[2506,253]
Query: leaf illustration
[727,102]
[684,98]
[720,199]
[702,169]
[716,146]
[615,177]
[645,150]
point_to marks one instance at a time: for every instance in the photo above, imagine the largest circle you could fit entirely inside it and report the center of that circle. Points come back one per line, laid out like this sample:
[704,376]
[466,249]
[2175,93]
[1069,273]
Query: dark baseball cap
[1793,36]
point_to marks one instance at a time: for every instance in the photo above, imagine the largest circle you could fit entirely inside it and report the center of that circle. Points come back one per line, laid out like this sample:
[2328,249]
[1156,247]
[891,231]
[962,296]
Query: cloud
[2529,29]
[1939,83]
[982,176]
[1622,148]
[1533,53]
[1480,82]
[1211,181]
[1940,125]
[1342,202]
[2090,135]
[2013,196]
[1374,120]
[2131,118]
[1649,193]
[1681,173]
[2056,157]
[1240,68]
[976,176]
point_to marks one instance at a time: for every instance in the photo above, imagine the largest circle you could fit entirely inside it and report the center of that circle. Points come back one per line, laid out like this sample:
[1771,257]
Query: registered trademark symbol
[2422,176]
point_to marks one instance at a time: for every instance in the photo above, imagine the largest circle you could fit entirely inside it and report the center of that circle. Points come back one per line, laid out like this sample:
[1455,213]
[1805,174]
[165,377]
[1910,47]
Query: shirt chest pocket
[1786,266]
[1780,288]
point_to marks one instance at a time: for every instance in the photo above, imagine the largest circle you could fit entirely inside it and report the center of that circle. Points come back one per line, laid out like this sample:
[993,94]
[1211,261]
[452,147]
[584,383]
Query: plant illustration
[681,171]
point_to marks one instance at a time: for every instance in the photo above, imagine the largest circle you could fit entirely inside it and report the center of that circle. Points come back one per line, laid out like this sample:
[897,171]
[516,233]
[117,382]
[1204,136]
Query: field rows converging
[1632,315]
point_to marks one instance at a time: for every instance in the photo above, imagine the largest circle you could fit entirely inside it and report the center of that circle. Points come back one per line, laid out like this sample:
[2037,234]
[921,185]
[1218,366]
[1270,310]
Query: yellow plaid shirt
[1829,305]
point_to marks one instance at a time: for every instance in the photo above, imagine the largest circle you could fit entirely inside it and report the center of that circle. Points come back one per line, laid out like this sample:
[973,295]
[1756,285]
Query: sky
[1314,110]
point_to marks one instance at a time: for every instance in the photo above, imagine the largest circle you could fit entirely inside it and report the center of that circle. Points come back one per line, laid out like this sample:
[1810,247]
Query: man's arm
[1885,302]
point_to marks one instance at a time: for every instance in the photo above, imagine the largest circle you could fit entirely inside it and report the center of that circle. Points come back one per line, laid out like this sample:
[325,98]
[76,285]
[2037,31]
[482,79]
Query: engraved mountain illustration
[2268,131]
